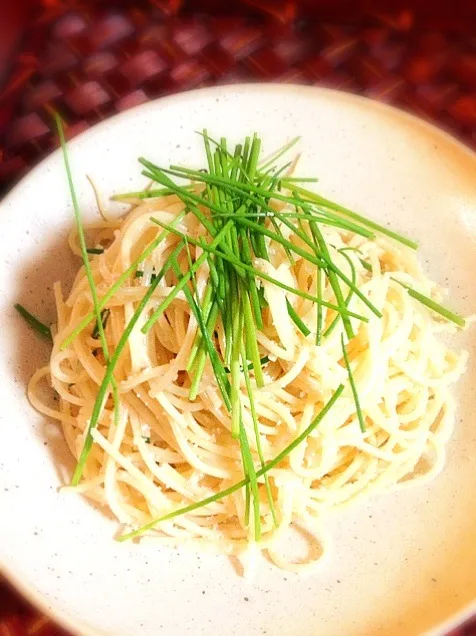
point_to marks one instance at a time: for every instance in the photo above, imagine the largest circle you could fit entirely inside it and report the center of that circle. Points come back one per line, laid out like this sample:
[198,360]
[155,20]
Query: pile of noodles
[167,451]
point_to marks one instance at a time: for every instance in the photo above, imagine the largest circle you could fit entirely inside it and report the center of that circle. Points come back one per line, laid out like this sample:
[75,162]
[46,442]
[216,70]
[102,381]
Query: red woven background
[91,60]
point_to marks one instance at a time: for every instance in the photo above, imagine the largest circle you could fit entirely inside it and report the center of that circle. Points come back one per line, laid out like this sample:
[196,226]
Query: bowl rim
[28,591]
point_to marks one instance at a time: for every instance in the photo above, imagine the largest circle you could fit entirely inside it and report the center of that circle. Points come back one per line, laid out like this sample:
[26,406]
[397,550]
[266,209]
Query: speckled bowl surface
[403,563]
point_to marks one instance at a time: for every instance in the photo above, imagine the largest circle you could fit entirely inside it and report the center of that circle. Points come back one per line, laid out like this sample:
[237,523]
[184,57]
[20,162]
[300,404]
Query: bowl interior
[402,563]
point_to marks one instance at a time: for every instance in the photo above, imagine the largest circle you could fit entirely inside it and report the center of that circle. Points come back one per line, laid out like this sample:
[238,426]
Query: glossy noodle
[165,451]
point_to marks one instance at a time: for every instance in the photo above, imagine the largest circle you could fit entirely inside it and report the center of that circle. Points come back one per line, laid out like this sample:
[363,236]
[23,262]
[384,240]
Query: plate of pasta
[237,358]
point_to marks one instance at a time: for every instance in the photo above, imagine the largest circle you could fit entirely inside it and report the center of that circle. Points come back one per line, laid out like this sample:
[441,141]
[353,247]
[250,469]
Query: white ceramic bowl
[403,563]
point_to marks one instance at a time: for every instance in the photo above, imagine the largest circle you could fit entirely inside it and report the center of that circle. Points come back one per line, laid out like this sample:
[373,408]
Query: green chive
[92,285]
[121,280]
[319,318]
[251,341]
[198,263]
[312,196]
[108,376]
[213,250]
[434,306]
[279,153]
[257,273]
[296,319]
[254,417]
[333,324]
[353,387]
[252,478]
[36,324]
[264,360]
[237,326]
[251,190]
[218,369]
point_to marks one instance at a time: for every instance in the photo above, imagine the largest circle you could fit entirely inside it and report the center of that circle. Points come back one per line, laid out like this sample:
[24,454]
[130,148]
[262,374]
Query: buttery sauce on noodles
[167,451]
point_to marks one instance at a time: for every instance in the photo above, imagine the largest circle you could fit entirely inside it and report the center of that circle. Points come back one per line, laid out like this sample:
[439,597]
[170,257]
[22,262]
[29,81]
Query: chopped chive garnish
[353,387]
[296,319]
[138,274]
[434,306]
[33,321]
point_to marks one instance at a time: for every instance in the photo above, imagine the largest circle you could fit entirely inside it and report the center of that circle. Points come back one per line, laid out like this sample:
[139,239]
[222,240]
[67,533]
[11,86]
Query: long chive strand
[319,316]
[33,321]
[103,388]
[130,271]
[431,304]
[353,387]
[199,366]
[331,275]
[251,341]
[333,324]
[206,308]
[235,487]
[304,329]
[234,363]
[309,197]
[198,263]
[87,267]
[254,418]
[252,479]
[259,274]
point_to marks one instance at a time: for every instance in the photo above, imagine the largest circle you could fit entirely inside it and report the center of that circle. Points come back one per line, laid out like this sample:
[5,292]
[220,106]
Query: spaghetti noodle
[157,450]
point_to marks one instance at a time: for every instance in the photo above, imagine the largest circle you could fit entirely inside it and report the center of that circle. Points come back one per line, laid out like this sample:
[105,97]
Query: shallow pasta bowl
[403,563]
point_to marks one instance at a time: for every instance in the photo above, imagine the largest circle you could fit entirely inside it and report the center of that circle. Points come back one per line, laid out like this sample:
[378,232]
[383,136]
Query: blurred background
[90,59]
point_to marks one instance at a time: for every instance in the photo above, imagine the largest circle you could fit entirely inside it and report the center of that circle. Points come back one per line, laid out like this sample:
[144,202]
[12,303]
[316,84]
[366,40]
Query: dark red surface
[89,60]
[92,61]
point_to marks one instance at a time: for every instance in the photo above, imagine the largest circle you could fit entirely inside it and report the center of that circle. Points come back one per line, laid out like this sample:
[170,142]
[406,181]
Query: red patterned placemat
[90,62]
